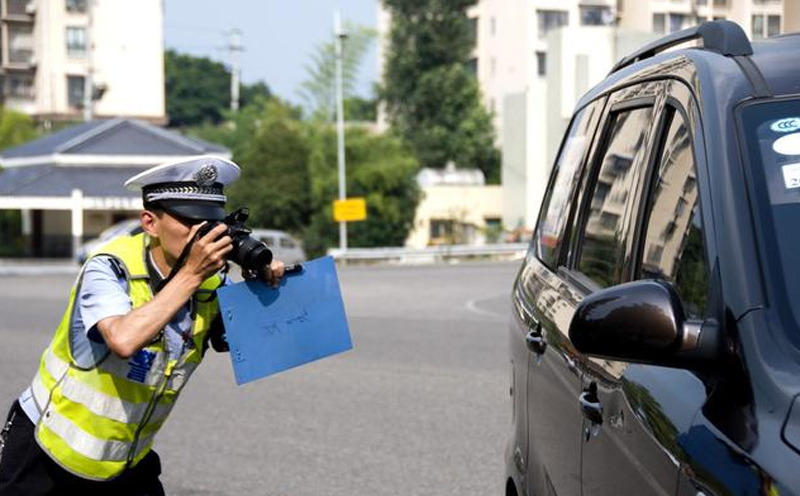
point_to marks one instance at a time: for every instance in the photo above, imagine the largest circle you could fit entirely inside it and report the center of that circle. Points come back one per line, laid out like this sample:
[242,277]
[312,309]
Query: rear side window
[673,249]
[605,232]
[553,214]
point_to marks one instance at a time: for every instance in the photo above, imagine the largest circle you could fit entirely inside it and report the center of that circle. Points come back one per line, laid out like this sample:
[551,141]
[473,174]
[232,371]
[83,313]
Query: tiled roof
[54,180]
[114,137]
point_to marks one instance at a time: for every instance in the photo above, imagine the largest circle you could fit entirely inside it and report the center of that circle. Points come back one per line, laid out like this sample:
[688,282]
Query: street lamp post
[340,37]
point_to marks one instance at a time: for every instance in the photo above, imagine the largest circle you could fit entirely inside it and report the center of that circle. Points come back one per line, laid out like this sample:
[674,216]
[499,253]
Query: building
[534,59]
[57,52]
[457,207]
[68,185]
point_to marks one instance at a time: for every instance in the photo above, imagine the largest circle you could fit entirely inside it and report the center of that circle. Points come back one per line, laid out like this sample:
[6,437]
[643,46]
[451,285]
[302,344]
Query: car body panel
[649,429]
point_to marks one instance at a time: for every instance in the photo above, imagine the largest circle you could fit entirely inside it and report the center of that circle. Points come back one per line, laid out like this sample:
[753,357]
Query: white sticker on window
[786,125]
[791,175]
[787,145]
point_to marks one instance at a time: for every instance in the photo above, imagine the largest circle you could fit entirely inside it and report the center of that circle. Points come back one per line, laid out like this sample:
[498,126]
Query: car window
[604,232]
[673,247]
[268,240]
[553,215]
[286,243]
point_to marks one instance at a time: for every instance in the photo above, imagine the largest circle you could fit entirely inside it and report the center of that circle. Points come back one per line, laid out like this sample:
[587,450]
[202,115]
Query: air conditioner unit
[30,8]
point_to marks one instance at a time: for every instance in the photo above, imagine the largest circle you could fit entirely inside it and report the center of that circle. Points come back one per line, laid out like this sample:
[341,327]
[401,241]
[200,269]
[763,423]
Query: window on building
[473,30]
[76,87]
[19,86]
[549,20]
[76,42]
[673,246]
[472,66]
[773,25]
[720,3]
[677,22]
[605,236]
[659,23]
[493,26]
[492,66]
[76,6]
[541,64]
[20,43]
[596,15]
[758,26]
[18,7]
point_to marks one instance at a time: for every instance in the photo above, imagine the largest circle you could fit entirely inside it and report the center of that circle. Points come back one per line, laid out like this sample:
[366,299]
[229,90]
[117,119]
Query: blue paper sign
[270,330]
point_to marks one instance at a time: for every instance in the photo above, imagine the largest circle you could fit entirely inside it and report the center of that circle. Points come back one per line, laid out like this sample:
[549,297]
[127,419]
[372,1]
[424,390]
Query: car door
[635,415]
[545,447]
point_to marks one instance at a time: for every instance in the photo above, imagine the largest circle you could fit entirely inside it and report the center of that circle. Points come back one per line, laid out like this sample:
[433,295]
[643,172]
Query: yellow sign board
[350,210]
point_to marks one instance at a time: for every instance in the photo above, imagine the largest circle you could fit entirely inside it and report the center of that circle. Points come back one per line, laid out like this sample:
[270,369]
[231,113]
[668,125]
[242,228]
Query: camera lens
[250,253]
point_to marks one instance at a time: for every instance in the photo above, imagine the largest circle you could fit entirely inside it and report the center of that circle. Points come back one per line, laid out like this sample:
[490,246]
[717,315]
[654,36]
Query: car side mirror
[643,322]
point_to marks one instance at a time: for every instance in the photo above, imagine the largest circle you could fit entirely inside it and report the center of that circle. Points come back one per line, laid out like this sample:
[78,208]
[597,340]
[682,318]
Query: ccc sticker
[786,125]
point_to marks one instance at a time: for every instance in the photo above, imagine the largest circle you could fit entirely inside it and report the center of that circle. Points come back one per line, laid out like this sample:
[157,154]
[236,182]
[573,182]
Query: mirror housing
[643,322]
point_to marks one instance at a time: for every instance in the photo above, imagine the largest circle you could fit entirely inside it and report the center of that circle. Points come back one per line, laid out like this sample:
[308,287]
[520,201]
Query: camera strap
[178,264]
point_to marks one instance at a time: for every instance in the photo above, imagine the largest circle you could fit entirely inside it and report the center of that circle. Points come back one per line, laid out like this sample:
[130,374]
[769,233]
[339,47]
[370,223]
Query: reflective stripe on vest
[96,422]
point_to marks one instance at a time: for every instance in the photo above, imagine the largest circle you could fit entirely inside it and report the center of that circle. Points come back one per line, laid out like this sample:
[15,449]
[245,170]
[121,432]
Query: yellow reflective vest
[98,421]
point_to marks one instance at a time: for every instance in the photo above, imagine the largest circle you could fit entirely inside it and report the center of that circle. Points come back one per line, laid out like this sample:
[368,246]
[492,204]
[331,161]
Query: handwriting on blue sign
[271,330]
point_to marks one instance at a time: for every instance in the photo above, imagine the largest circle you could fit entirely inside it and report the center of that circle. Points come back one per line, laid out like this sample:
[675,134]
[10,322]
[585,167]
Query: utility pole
[340,37]
[235,47]
[88,83]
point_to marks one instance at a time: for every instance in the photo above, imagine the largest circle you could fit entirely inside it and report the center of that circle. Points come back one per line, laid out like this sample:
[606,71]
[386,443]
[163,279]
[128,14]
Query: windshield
[771,134]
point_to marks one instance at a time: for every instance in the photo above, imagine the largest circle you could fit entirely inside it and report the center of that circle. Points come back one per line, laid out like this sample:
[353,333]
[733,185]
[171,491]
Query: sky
[278,36]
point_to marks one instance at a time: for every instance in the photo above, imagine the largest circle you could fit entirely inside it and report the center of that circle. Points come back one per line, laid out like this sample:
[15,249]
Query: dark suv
[655,337]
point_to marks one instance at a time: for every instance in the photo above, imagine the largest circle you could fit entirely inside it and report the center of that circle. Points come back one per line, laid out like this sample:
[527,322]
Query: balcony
[19,10]
[21,57]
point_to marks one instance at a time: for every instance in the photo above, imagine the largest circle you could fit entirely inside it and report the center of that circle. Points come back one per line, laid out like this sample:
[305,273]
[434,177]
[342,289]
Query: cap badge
[206,175]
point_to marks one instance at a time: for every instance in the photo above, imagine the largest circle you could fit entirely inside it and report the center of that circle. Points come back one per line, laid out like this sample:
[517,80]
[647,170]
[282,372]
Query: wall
[464,204]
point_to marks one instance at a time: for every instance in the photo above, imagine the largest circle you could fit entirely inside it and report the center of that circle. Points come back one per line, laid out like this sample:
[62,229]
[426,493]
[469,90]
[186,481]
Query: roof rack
[723,36]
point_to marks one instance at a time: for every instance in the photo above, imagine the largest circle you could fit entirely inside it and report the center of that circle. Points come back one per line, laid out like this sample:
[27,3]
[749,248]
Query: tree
[275,182]
[380,169]
[198,90]
[432,99]
[319,90]
[15,129]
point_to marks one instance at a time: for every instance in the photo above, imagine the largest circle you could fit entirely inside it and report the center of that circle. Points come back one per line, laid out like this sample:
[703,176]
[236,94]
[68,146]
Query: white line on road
[473,307]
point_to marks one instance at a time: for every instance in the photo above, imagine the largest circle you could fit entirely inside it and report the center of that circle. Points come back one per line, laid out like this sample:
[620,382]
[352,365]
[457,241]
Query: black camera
[251,254]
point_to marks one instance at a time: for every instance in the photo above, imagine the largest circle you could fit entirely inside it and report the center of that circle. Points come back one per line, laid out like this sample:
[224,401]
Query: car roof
[775,59]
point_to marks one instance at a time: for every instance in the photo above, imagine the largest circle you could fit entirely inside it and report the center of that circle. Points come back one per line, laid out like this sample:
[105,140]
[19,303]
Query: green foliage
[360,109]
[432,100]
[15,129]
[275,181]
[380,169]
[198,90]
[319,90]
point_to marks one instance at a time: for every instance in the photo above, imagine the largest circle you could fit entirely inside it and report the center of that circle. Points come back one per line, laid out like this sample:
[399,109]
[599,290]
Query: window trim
[565,248]
[592,170]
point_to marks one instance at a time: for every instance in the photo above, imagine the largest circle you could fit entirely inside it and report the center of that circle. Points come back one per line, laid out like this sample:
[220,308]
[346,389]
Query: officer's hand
[207,256]
[274,272]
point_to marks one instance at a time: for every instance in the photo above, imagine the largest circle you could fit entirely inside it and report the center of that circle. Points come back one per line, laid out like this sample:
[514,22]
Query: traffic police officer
[136,326]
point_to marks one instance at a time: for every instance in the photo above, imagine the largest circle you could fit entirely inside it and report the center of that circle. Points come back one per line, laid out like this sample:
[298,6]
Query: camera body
[249,253]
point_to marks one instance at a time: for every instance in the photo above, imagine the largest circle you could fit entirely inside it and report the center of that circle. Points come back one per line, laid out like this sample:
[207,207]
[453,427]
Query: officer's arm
[126,334]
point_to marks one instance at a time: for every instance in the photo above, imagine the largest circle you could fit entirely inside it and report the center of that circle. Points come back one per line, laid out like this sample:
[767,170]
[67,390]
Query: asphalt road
[419,407]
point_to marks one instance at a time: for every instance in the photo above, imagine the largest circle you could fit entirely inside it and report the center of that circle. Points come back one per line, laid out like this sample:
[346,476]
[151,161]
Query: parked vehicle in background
[127,227]
[655,331]
[283,246]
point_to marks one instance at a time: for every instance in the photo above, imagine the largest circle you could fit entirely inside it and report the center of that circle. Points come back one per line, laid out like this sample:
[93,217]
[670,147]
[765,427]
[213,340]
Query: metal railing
[432,254]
